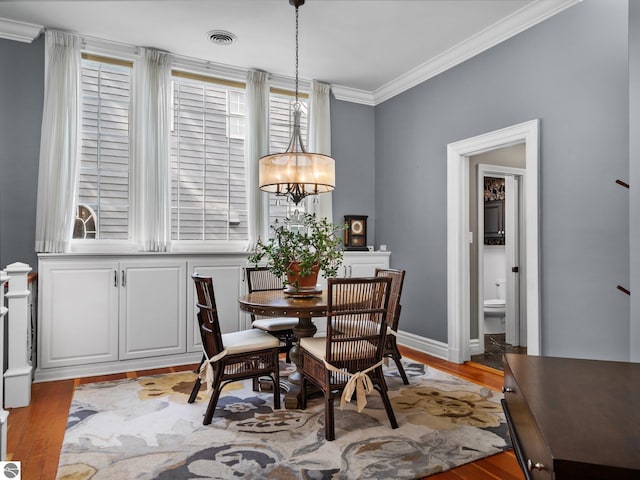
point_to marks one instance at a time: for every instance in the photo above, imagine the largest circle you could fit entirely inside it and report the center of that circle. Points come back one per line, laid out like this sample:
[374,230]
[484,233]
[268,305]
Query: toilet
[494,309]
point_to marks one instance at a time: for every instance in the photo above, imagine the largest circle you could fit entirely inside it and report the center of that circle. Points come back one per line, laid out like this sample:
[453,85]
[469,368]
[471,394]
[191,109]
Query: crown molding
[19,31]
[506,28]
[353,95]
[517,22]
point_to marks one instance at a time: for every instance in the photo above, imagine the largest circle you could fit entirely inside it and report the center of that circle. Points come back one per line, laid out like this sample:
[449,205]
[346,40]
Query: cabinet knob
[534,465]
[508,390]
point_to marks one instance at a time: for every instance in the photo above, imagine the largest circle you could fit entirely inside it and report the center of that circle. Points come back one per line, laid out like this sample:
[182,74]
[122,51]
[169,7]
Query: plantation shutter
[208,174]
[104,162]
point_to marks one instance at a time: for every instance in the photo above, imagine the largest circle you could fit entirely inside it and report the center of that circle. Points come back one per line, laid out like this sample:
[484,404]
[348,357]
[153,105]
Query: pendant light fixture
[297,173]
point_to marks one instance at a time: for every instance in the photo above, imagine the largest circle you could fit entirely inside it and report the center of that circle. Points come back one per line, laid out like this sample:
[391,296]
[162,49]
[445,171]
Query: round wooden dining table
[277,303]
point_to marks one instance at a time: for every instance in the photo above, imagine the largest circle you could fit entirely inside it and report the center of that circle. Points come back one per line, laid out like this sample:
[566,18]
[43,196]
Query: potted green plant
[299,249]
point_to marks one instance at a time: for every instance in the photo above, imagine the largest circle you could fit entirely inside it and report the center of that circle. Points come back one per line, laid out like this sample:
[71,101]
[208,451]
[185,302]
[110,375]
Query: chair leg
[196,386]
[329,420]
[213,401]
[302,396]
[382,389]
[395,354]
[288,342]
[195,390]
[276,391]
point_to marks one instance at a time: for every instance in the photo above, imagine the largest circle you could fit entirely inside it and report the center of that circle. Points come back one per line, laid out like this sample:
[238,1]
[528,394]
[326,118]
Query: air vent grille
[221,37]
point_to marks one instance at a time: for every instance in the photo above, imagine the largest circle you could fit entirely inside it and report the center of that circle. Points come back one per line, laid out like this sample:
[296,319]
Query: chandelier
[297,173]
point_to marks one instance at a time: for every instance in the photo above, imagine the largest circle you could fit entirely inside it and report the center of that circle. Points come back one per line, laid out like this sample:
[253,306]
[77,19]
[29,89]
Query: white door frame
[512,227]
[458,235]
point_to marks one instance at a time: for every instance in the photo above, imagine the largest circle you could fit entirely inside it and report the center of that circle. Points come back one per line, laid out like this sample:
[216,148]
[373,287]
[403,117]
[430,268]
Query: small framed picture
[355,234]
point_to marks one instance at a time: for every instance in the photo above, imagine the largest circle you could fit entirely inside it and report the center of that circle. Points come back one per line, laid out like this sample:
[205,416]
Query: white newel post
[17,378]
[3,413]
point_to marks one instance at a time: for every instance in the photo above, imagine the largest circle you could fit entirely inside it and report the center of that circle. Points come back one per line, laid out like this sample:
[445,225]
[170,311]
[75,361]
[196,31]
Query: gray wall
[353,147]
[571,72]
[21,98]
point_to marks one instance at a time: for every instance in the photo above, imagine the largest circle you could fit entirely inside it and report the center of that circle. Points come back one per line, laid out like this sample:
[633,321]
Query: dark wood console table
[573,419]
[276,303]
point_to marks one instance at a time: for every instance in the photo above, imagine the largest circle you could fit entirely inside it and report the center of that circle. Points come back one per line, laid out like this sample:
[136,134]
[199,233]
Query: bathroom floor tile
[495,346]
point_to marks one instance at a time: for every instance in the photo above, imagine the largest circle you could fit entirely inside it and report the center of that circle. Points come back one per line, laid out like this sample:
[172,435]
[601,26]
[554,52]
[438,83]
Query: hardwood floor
[35,433]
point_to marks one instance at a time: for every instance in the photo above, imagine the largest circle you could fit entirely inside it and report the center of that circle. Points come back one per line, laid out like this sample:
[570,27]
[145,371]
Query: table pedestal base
[305,328]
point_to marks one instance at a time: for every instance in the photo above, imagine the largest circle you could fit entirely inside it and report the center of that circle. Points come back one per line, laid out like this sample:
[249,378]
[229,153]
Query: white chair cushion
[248,340]
[275,324]
[316,346]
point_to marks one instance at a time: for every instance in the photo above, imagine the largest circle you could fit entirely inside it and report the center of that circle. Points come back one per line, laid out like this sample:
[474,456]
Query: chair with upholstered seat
[260,279]
[233,356]
[349,358]
[393,317]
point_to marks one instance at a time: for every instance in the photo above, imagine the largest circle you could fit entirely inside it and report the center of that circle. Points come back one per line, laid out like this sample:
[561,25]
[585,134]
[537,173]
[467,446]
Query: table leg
[305,328]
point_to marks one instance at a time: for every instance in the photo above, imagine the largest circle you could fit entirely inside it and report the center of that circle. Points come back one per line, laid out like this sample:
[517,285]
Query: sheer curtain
[59,143]
[256,146]
[320,141]
[151,115]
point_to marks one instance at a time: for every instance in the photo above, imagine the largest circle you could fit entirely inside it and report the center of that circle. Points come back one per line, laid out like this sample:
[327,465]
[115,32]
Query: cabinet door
[227,287]
[78,321]
[152,308]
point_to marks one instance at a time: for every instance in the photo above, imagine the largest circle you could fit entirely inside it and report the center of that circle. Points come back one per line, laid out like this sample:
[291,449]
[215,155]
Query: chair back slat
[261,279]
[397,281]
[356,327]
[208,322]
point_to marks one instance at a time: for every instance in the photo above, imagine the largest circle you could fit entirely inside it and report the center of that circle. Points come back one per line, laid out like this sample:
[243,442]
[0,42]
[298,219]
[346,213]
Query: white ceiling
[369,47]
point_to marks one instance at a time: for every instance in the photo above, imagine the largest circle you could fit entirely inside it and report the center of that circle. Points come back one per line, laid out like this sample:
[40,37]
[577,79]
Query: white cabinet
[79,312]
[227,276]
[101,314]
[153,313]
[363,264]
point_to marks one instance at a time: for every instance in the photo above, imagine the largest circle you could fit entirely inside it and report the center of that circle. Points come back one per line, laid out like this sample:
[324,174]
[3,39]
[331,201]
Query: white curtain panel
[256,146]
[320,142]
[149,148]
[59,143]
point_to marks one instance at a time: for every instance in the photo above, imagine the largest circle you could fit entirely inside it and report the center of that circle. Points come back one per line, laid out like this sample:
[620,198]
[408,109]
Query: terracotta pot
[302,283]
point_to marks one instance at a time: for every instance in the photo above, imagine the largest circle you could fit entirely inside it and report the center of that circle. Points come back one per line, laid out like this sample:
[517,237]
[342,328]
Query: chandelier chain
[296,54]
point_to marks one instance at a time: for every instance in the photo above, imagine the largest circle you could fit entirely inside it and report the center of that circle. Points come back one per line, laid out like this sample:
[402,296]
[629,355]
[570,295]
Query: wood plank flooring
[35,433]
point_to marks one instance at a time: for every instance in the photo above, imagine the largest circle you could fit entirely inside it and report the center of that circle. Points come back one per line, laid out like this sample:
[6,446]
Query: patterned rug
[144,429]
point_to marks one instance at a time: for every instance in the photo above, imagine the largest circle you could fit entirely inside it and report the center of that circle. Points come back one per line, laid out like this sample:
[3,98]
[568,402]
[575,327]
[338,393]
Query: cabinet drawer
[529,444]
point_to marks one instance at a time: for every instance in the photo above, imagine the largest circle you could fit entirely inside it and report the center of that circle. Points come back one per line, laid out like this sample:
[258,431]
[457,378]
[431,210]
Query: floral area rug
[145,429]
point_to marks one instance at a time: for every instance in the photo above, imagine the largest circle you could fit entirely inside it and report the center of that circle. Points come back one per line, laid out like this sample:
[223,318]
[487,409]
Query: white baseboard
[424,345]
[474,347]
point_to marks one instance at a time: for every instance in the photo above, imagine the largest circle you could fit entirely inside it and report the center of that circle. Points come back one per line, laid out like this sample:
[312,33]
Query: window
[208,174]
[207,156]
[103,187]
[280,126]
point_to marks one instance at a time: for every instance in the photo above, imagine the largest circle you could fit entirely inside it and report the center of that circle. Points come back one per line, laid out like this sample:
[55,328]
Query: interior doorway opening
[498,260]
[460,237]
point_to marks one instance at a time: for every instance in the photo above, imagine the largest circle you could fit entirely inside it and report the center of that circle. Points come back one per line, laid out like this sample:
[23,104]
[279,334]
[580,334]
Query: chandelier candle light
[297,173]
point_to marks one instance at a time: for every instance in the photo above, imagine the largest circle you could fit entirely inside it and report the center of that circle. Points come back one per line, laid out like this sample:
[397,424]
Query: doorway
[460,237]
[498,257]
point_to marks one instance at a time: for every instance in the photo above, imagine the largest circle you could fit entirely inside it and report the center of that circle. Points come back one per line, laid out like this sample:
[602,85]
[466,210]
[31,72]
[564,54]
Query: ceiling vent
[221,37]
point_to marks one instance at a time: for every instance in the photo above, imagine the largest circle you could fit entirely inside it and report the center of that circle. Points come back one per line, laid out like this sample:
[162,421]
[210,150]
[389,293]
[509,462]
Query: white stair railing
[18,377]
[4,278]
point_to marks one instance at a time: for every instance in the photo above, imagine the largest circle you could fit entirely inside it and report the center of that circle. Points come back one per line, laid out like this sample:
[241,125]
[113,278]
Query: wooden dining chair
[393,317]
[233,356]
[351,354]
[260,279]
